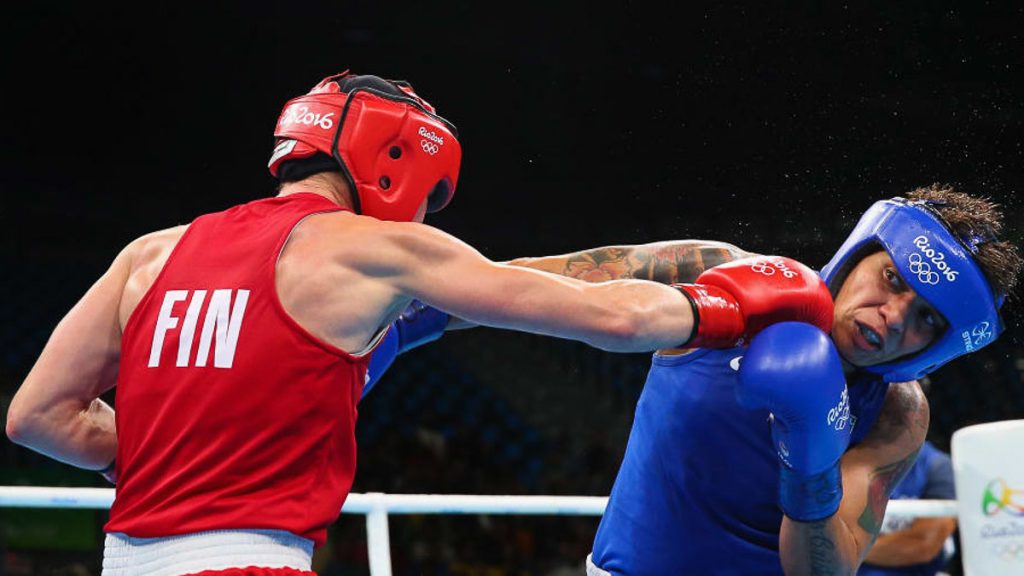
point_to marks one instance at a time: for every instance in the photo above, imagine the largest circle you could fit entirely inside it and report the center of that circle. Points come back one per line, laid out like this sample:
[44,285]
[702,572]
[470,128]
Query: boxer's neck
[330,185]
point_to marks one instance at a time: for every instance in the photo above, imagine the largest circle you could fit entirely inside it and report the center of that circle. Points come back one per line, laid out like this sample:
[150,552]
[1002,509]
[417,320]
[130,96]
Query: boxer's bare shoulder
[351,238]
[335,273]
[145,257]
[904,416]
[154,248]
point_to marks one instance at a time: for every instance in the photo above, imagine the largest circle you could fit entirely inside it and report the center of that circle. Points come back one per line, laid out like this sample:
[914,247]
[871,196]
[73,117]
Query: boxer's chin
[842,338]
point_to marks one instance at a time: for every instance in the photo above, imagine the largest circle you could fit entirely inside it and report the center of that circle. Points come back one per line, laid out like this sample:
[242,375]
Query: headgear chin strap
[938,267]
[392,147]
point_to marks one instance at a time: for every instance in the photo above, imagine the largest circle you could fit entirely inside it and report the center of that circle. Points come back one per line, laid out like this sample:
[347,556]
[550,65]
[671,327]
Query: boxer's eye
[893,279]
[929,317]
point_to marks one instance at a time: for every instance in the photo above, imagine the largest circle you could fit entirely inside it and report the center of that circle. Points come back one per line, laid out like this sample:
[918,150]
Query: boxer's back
[214,372]
[338,305]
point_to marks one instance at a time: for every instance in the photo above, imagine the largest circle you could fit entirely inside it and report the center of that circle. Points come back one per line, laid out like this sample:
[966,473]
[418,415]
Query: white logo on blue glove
[839,416]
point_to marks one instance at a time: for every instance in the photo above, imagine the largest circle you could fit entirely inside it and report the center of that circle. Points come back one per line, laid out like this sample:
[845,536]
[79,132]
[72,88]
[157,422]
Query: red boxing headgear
[391,145]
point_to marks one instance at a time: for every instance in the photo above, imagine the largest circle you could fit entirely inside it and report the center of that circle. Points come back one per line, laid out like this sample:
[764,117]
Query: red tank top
[230,414]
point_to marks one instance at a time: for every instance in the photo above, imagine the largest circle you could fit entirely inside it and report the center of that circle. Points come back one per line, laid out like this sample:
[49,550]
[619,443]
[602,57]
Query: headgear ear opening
[390,144]
[440,196]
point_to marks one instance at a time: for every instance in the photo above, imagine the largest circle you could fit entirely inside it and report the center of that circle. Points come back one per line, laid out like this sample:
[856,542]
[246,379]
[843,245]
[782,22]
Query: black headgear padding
[295,170]
[350,83]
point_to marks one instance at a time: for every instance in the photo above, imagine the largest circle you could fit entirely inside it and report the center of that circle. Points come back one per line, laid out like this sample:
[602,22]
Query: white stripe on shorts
[124,555]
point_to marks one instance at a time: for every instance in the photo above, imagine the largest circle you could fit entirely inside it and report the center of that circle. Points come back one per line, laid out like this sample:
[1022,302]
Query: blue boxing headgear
[939,267]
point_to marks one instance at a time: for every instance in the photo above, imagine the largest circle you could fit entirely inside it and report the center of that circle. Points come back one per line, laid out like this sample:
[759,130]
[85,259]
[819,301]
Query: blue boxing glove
[417,325]
[110,472]
[793,370]
[381,358]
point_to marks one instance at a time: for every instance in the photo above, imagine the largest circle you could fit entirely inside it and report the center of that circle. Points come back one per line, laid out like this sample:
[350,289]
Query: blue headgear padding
[938,267]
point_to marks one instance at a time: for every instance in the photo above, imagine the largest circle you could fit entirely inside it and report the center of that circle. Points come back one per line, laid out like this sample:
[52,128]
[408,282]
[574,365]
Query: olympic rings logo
[1008,550]
[429,147]
[923,270]
[999,496]
[937,257]
[770,266]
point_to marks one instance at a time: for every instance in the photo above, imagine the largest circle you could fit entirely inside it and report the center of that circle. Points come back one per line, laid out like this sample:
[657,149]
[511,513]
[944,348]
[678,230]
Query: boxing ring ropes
[376,506]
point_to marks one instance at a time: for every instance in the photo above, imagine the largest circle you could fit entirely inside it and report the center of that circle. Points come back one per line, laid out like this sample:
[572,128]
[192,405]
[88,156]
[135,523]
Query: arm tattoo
[882,481]
[598,265]
[823,557]
[903,421]
[905,411]
[667,264]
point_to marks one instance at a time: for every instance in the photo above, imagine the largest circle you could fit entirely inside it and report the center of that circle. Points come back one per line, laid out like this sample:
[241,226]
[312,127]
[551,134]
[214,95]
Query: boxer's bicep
[80,358]
[445,273]
[57,410]
[471,287]
[665,262]
[874,467]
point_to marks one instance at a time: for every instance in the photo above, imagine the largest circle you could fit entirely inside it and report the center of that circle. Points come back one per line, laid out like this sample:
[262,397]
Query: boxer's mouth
[874,339]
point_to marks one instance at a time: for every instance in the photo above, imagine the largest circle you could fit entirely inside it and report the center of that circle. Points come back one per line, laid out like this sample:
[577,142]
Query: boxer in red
[239,343]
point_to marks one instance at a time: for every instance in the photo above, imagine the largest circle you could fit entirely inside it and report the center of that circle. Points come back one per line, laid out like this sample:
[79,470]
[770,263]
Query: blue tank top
[697,491]
[931,477]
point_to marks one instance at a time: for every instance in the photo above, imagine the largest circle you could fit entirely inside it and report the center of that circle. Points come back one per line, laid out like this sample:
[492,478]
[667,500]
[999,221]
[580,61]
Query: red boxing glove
[734,301]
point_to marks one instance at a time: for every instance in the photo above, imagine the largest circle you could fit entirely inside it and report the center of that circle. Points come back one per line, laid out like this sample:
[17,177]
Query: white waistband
[594,570]
[124,555]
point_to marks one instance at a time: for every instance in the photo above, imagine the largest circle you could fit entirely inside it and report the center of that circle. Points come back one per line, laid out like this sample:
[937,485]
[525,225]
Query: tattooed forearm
[822,554]
[670,263]
[879,486]
[665,262]
[821,548]
[599,265]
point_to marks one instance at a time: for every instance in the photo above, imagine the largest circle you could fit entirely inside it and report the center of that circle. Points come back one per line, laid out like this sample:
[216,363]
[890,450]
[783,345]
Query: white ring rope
[377,505]
[101,498]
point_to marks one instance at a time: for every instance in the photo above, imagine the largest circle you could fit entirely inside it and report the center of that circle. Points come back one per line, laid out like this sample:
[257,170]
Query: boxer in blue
[778,456]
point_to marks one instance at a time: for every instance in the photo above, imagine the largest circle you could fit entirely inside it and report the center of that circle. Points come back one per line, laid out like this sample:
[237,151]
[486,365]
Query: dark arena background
[583,125]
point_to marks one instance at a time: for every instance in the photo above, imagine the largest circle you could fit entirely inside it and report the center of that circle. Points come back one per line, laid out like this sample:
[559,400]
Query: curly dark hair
[977,217]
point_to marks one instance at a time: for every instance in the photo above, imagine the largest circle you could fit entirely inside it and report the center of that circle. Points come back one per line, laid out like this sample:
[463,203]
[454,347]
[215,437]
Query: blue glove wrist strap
[418,325]
[110,472]
[810,497]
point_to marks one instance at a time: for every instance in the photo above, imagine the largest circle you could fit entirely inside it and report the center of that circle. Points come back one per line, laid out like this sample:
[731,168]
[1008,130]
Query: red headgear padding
[391,145]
